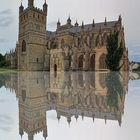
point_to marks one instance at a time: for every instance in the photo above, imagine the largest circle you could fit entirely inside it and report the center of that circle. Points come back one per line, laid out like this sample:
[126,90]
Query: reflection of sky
[80,130]
[8,115]
[89,9]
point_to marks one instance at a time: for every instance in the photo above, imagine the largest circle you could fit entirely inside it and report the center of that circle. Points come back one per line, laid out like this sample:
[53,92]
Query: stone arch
[80,62]
[102,62]
[23,46]
[92,62]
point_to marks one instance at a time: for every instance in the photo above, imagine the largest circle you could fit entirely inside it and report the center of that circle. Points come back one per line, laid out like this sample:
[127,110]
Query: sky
[82,10]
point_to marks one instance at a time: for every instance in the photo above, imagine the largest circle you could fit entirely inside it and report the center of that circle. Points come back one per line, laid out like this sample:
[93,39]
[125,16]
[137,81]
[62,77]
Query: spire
[105,21]
[21,8]
[45,7]
[76,24]
[93,117]
[58,24]
[58,116]
[45,135]
[105,119]
[93,23]
[69,21]
[21,132]
[30,3]
[120,18]
[76,117]
[30,136]
[69,120]
[82,25]
[82,116]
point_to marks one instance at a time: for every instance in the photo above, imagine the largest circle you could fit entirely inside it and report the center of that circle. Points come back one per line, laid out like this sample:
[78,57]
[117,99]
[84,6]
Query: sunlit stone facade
[70,47]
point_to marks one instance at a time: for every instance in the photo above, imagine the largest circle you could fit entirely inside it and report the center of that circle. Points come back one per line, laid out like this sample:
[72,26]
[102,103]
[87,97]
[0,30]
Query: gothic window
[80,62]
[91,40]
[104,39]
[27,15]
[23,92]
[92,62]
[79,41]
[97,40]
[37,60]
[92,79]
[47,45]
[33,15]
[80,80]
[62,43]
[102,62]
[42,18]
[23,46]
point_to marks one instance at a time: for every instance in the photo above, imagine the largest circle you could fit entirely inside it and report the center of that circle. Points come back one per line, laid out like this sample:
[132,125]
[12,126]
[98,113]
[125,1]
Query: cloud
[6,18]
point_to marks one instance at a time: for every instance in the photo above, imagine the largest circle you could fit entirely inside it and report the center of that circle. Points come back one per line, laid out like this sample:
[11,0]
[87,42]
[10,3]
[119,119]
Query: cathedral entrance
[55,67]
[92,62]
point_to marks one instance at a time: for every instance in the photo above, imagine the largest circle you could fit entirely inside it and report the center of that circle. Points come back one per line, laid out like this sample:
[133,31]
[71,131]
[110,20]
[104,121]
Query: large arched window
[23,46]
[102,62]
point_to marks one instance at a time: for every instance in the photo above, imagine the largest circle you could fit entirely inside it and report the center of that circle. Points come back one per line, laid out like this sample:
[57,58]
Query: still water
[69,106]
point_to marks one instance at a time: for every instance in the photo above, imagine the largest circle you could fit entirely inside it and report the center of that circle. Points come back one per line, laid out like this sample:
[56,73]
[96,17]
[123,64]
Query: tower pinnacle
[30,3]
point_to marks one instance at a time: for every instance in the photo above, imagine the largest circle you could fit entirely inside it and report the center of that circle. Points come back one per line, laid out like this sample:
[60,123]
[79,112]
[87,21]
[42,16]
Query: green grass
[7,70]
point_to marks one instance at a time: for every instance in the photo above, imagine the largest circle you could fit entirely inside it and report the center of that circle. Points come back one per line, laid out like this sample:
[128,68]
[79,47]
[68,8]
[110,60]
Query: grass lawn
[7,70]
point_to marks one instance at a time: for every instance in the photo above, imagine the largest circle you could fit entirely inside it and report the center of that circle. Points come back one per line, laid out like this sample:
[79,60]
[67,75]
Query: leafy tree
[114,52]
[3,62]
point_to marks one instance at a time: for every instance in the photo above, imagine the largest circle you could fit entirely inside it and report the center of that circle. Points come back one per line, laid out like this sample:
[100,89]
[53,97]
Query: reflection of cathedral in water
[85,94]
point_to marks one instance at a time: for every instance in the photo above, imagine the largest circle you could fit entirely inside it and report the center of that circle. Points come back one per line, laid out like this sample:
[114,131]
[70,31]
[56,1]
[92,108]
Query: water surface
[70,105]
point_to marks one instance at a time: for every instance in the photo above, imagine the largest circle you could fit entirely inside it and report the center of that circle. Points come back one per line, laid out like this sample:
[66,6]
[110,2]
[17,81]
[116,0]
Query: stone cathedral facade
[70,47]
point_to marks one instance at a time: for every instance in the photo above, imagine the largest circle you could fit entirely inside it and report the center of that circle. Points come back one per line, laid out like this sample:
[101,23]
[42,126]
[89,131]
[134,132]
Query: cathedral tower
[32,37]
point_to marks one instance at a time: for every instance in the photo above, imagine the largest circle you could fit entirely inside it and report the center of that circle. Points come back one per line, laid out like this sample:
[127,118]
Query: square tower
[32,37]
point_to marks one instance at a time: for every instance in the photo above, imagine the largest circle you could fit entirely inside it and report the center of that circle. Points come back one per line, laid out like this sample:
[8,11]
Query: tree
[114,52]
[3,62]
[115,89]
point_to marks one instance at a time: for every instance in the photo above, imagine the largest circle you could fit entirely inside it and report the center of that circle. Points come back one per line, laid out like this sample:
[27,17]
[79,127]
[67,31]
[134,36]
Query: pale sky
[84,10]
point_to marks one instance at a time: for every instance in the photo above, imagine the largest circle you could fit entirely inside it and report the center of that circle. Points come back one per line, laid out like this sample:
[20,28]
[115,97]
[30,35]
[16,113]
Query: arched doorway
[102,62]
[80,62]
[55,67]
[92,62]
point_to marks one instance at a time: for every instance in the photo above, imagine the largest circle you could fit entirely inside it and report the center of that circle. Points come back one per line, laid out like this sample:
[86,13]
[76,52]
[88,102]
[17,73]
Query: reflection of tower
[32,104]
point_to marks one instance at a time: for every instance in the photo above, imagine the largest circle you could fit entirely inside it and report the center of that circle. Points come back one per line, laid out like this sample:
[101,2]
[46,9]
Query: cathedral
[70,47]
